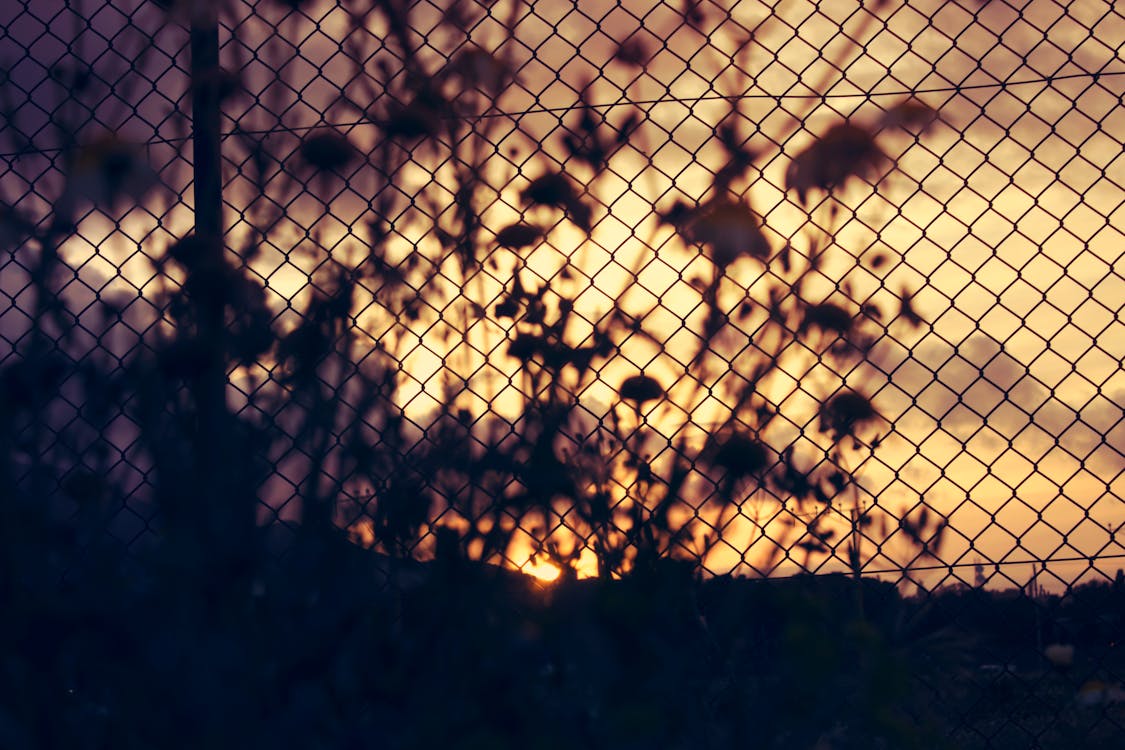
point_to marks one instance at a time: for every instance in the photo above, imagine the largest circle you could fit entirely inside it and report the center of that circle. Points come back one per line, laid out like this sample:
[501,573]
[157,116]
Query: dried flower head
[845,151]
[640,389]
[327,151]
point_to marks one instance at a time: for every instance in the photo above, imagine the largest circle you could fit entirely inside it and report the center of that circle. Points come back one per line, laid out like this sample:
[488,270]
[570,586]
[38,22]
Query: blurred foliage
[380,608]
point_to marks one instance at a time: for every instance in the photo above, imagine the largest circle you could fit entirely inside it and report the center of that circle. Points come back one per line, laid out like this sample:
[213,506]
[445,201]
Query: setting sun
[543,571]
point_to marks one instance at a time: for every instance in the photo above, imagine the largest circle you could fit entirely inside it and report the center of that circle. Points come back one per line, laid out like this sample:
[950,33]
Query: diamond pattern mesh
[395,166]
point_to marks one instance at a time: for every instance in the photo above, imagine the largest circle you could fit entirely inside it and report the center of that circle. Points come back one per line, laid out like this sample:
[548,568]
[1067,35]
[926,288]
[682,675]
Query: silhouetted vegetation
[318,567]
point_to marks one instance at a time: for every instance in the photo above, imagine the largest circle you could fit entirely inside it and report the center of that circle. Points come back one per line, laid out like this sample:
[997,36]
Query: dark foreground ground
[331,647]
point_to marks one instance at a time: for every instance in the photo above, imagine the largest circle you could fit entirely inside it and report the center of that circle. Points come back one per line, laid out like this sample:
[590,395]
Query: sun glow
[541,570]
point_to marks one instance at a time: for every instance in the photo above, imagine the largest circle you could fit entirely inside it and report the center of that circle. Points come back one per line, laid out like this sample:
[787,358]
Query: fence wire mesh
[816,287]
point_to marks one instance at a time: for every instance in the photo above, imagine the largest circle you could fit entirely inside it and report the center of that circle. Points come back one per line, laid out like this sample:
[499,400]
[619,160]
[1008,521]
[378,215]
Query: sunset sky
[1007,217]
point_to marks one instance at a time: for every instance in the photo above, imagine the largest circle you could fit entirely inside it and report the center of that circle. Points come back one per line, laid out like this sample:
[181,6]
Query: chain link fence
[828,288]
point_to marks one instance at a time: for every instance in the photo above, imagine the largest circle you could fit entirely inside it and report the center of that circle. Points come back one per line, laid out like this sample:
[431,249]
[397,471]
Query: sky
[1005,217]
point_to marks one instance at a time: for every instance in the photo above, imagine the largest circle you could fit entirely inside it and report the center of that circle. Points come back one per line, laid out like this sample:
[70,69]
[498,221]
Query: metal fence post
[210,386]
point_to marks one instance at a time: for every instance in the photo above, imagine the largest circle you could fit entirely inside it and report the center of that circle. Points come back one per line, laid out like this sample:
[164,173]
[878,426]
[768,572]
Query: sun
[541,570]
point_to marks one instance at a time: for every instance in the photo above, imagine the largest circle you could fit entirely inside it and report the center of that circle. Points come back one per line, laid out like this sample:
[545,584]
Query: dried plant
[285,482]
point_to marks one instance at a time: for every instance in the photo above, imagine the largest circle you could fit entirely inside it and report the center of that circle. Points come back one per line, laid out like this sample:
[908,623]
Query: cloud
[979,393]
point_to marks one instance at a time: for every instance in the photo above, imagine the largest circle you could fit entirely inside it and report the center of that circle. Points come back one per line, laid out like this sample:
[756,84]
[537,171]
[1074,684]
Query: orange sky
[1005,217]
